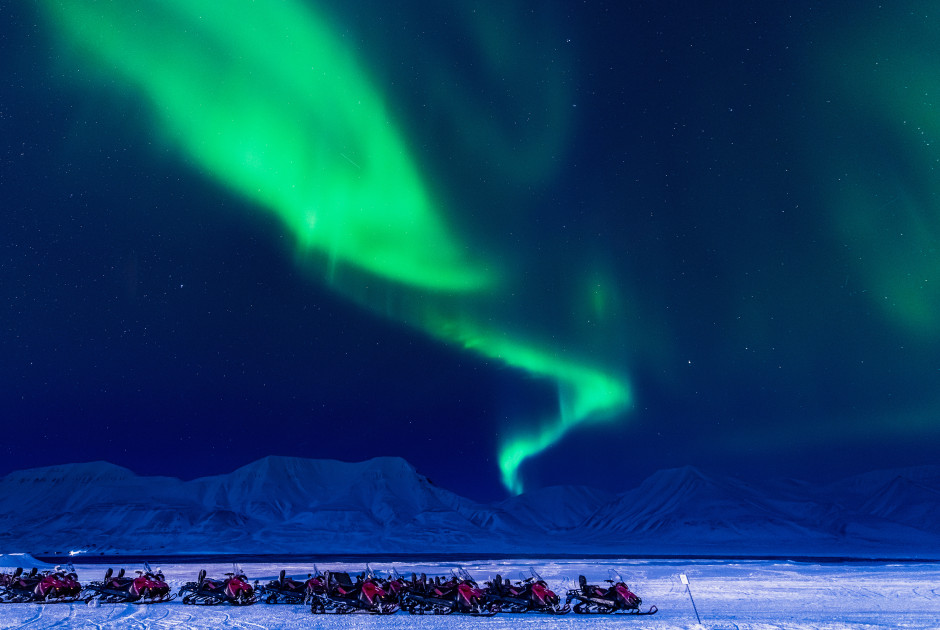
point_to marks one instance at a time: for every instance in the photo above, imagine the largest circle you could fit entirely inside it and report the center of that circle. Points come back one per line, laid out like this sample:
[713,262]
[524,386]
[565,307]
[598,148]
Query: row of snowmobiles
[148,587]
[338,592]
[61,585]
[56,586]
[334,592]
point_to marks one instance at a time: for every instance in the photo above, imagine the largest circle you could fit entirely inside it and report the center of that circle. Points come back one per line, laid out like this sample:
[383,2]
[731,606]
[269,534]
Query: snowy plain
[744,595]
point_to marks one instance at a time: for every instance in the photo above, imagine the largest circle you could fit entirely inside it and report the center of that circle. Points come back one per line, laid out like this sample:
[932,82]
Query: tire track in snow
[65,622]
[246,625]
[159,620]
[123,611]
[134,618]
[234,622]
[127,618]
[175,622]
[34,618]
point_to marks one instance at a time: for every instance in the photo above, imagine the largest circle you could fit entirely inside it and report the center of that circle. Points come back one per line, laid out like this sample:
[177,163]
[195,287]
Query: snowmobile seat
[287,583]
[290,584]
[342,579]
[341,582]
[589,590]
[419,584]
[498,584]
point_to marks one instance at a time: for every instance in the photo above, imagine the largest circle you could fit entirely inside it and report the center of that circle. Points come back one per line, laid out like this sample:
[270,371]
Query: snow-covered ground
[752,595]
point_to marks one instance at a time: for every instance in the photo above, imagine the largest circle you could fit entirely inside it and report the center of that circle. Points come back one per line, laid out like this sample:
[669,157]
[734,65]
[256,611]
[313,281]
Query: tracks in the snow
[35,618]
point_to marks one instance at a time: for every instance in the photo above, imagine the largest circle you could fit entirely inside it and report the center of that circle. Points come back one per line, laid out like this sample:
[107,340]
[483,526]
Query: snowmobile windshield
[463,574]
[394,575]
[614,576]
[534,575]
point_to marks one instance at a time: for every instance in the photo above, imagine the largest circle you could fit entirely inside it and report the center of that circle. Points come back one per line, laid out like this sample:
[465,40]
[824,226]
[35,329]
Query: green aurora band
[884,134]
[264,99]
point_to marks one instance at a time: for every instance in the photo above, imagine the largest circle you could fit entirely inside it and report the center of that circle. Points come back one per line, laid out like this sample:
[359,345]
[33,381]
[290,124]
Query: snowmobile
[459,594]
[17,580]
[49,587]
[234,589]
[530,594]
[394,585]
[617,598]
[149,587]
[286,590]
[341,595]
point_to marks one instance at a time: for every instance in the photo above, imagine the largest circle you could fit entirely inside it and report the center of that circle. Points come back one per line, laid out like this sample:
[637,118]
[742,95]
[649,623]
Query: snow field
[742,595]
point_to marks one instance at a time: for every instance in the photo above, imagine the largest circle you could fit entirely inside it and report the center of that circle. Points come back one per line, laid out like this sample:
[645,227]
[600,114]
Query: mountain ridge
[384,505]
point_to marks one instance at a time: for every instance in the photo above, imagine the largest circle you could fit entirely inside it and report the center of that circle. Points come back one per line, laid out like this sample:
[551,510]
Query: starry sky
[518,244]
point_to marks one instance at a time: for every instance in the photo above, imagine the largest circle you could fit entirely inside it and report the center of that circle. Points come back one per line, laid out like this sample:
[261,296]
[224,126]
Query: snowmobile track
[67,621]
[33,619]
[125,619]
[160,623]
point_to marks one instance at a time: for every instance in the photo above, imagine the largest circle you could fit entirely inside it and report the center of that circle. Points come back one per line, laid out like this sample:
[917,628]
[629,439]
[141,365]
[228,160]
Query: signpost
[685,580]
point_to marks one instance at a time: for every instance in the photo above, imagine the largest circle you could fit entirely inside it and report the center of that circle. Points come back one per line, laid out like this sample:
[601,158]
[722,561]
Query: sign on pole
[685,580]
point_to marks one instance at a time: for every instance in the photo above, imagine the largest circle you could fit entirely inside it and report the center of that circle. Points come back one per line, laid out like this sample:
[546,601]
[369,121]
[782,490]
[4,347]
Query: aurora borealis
[266,100]
[532,239]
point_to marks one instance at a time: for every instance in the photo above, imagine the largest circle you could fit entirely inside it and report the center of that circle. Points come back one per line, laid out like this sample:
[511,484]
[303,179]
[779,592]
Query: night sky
[518,244]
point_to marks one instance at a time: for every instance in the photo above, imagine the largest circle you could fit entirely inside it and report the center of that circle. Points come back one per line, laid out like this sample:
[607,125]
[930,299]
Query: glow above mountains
[267,100]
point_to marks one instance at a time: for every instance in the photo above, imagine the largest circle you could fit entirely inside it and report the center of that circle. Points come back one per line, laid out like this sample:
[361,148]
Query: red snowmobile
[616,598]
[234,589]
[341,595]
[459,594]
[286,590]
[394,585]
[49,587]
[149,587]
[530,594]
[16,586]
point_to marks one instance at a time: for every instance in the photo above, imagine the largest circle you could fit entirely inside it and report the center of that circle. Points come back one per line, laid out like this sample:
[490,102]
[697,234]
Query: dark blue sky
[755,184]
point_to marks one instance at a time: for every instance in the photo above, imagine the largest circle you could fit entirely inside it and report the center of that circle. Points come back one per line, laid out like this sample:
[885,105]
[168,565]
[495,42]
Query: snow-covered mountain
[688,511]
[293,505]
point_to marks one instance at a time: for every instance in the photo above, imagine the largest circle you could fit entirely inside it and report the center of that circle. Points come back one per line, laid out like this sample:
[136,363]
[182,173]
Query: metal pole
[685,580]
